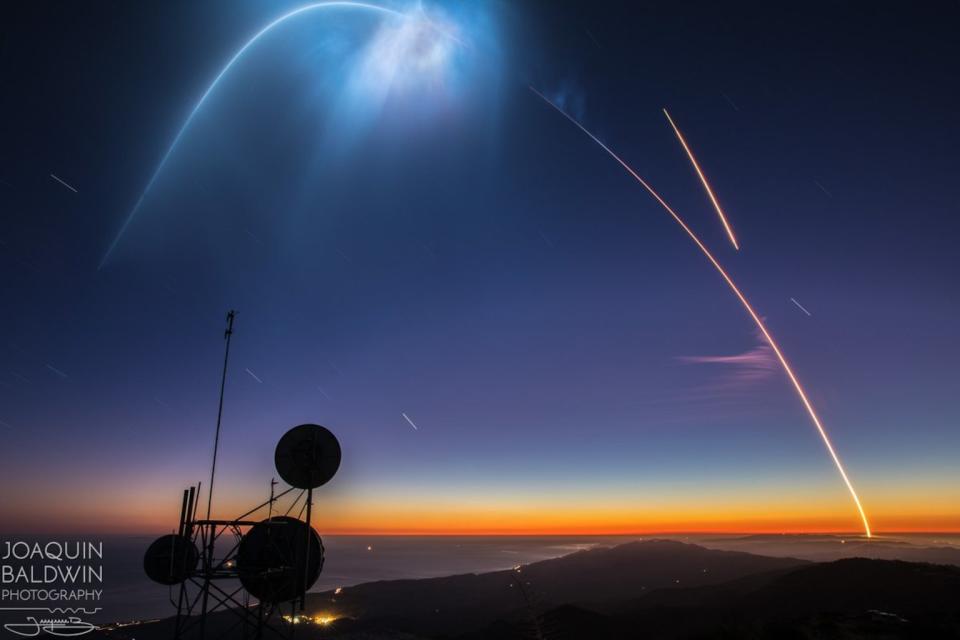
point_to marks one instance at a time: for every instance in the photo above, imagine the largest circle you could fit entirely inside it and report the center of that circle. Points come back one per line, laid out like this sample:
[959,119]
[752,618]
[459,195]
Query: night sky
[420,234]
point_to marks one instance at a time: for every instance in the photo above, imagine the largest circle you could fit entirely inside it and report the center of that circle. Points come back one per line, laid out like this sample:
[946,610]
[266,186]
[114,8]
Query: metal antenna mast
[223,383]
[275,561]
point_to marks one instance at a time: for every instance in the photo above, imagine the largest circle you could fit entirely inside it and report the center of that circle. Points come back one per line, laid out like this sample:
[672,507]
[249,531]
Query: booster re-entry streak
[743,300]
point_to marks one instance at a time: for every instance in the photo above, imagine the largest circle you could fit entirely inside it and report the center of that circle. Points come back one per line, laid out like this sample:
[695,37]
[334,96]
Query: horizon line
[544,534]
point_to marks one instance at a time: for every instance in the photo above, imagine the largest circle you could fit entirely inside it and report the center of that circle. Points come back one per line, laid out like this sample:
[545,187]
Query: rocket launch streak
[743,300]
[703,179]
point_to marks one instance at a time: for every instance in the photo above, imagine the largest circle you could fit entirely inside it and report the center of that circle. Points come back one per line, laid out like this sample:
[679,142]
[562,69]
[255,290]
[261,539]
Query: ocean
[348,560]
[128,595]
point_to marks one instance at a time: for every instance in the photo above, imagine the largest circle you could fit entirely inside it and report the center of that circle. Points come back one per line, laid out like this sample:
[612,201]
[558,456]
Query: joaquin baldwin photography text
[51,571]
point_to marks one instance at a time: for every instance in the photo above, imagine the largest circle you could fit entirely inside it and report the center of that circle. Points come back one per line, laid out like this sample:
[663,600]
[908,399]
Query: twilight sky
[404,227]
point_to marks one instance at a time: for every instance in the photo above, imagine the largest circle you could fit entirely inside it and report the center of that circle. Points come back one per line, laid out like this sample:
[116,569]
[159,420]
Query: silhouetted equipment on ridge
[277,556]
[171,559]
[275,559]
[307,456]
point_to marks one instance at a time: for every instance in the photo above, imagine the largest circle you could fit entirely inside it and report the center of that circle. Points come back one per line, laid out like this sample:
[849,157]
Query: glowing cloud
[415,50]
[751,366]
[409,46]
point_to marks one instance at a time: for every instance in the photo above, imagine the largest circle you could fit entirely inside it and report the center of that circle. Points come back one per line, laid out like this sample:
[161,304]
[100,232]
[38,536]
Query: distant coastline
[129,595]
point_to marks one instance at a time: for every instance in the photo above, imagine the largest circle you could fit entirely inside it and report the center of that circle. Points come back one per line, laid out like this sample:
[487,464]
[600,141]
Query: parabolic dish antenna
[273,560]
[307,456]
[170,559]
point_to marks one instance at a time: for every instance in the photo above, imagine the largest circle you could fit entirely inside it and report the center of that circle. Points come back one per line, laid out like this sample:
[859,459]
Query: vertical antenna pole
[223,383]
[211,529]
[196,504]
[184,510]
[273,483]
[191,512]
[306,555]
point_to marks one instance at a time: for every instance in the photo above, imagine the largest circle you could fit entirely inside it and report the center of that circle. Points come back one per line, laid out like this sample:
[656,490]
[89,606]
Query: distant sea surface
[349,560]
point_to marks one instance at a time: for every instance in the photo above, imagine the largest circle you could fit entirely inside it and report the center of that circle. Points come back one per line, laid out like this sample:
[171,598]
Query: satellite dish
[272,559]
[170,559]
[307,456]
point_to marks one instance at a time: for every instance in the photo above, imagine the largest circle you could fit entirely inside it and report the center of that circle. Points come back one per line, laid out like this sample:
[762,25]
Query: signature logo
[63,627]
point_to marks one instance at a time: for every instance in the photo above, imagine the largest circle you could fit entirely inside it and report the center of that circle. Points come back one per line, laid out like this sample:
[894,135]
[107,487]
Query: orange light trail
[703,179]
[743,300]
